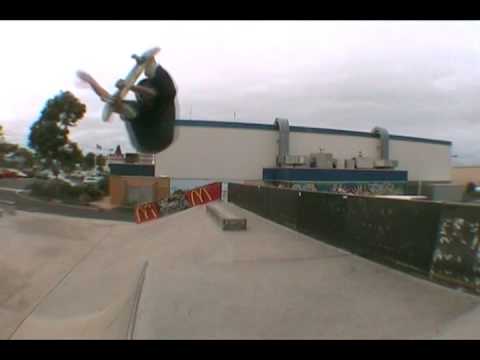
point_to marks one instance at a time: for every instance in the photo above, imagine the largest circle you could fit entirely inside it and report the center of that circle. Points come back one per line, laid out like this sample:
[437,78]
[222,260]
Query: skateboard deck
[129,80]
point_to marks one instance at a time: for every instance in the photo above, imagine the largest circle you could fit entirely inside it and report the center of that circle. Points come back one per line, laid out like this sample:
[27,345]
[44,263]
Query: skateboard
[129,81]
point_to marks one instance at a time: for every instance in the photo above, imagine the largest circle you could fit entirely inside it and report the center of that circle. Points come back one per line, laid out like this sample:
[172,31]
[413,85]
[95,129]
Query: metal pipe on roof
[283,140]
[384,142]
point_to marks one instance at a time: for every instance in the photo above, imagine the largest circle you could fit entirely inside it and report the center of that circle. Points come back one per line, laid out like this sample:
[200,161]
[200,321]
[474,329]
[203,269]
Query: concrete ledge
[226,219]
[8,206]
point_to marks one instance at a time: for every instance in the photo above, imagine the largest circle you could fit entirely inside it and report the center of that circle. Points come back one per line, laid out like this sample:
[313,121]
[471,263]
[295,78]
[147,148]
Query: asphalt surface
[24,202]
[16,183]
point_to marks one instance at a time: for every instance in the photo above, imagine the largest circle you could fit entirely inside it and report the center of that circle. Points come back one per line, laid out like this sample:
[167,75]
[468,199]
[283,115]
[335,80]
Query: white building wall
[423,161]
[241,154]
[218,153]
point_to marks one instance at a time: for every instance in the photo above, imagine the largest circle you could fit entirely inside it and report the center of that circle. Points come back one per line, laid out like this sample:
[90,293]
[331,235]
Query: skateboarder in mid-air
[150,120]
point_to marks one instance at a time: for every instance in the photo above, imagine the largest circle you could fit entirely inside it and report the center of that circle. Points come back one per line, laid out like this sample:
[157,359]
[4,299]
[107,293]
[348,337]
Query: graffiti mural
[304,187]
[457,255]
[374,188]
[368,189]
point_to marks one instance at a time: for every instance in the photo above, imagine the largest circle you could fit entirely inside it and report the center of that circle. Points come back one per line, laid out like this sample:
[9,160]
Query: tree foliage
[27,155]
[101,161]
[89,161]
[69,156]
[49,134]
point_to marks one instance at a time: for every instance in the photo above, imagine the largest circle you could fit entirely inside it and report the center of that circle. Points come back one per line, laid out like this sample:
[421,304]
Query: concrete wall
[444,192]
[235,153]
[464,174]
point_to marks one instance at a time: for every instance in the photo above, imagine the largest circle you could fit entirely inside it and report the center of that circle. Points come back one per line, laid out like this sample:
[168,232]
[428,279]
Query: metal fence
[399,233]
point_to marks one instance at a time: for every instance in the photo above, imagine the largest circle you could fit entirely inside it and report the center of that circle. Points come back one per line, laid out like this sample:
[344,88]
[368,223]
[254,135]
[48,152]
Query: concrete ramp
[115,321]
[37,252]
[466,326]
[273,283]
[79,280]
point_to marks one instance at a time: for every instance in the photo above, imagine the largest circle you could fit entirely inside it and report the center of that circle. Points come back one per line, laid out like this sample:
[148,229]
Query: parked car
[18,173]
[92,179]
[67,180]
[45,174]
[12,173]
[29,172]
[5,173]
[78,174]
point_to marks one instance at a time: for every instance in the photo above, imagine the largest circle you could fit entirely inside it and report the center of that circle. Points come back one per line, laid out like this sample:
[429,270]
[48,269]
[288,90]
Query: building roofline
[302,129]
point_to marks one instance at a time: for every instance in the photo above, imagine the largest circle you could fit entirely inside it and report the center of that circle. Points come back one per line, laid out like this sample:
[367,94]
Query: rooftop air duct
[384,161]
[384,142]
[283,140]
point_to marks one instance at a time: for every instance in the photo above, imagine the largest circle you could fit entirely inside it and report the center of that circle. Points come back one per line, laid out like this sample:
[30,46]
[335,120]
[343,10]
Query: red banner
[204,194]
[146,212]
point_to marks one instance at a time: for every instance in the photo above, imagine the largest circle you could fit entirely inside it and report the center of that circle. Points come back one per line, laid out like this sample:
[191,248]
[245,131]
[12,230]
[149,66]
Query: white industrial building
[205,151]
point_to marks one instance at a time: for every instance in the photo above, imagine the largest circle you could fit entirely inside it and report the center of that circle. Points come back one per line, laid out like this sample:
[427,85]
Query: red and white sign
[204,194]
[146,212]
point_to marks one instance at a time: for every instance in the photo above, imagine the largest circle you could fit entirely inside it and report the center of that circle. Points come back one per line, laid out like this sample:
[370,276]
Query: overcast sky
[414,78]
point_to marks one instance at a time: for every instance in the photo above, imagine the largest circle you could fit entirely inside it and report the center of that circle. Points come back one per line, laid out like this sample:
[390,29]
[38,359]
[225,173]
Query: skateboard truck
[139,59]
[119,84]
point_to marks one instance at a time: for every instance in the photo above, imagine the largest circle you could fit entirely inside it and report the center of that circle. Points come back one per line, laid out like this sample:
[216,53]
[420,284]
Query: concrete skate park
[183,277]
[315,260]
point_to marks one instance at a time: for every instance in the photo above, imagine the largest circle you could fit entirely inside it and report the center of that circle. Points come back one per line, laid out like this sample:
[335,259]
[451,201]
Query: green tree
[5,147]
[27,155]
[101,161]
[69,156]
[49,134]
[2,141]
[89,161]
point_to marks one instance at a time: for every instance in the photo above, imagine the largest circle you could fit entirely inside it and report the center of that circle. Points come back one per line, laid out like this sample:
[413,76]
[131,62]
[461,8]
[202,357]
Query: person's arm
[147,91]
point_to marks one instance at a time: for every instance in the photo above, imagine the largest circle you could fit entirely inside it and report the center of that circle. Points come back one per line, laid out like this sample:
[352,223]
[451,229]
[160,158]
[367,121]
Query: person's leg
[127,109]
[99,90]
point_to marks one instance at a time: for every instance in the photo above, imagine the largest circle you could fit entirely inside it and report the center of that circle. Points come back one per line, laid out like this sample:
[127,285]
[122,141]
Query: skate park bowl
[183,277]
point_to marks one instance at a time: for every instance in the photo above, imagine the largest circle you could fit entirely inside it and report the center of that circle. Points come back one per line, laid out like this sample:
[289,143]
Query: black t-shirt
[153,129]
[166,92]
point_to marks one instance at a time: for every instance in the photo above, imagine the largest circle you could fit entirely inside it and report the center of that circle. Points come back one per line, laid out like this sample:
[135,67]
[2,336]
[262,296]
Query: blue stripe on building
[302,129]
[289,174]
